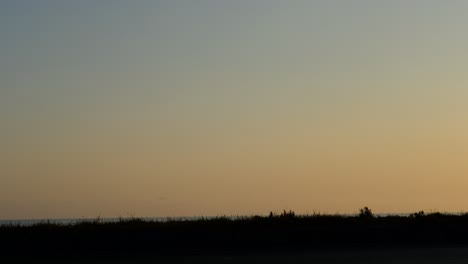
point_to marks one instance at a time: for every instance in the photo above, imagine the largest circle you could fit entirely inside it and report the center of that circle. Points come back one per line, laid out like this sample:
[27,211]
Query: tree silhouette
[366,213]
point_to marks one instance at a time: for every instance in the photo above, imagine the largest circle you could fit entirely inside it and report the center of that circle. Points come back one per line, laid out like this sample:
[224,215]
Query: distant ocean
[29,222]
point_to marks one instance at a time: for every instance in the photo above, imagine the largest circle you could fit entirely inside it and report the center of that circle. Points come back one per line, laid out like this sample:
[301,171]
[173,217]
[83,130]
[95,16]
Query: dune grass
[282,231]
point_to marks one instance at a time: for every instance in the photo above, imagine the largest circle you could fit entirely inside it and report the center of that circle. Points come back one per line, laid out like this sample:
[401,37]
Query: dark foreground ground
[285,238]
[384,256]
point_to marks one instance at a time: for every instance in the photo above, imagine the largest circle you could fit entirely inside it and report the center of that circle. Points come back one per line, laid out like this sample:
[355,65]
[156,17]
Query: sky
[191,108]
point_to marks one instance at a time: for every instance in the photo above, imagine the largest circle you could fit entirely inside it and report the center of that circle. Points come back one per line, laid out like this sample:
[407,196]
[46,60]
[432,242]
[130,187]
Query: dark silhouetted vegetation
[366,213]
[284,231]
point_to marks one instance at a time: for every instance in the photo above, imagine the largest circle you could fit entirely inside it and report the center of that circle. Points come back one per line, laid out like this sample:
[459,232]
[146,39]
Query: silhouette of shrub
[366,213]
[417,214]
[288,214]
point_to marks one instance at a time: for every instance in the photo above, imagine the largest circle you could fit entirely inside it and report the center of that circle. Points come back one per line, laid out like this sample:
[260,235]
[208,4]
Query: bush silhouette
[418,214]
[288,214]
[366,213]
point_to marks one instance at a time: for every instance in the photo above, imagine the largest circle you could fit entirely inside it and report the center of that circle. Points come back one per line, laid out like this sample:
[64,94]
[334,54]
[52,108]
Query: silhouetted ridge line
[284,231]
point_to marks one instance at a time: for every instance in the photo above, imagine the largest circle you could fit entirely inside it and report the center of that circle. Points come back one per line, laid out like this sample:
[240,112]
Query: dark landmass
[276,236]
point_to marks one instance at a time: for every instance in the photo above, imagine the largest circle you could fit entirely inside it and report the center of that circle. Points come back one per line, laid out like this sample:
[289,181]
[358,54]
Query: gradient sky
[179,108]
